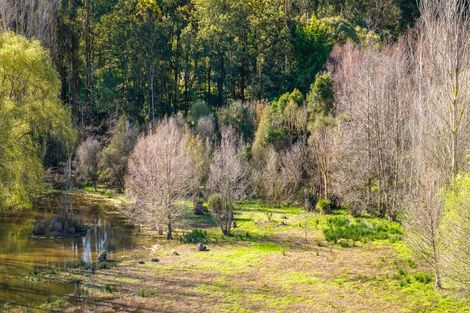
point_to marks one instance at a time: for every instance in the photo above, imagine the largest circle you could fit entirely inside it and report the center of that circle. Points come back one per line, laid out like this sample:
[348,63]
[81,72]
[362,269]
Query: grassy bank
[278,260]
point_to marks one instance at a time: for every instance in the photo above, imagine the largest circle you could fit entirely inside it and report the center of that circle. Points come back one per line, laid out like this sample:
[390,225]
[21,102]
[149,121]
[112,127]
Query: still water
[21,256]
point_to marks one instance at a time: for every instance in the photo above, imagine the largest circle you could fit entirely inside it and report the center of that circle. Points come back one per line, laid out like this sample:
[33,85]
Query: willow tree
[30,114]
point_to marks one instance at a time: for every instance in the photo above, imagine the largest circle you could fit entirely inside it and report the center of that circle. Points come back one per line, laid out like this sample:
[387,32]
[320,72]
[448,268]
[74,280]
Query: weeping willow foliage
[30,113]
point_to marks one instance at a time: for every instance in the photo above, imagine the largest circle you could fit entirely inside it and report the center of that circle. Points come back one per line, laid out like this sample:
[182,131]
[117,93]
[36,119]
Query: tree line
[146,58]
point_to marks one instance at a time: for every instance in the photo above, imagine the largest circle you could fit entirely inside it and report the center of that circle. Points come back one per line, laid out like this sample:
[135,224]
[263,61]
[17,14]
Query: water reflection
[20,255]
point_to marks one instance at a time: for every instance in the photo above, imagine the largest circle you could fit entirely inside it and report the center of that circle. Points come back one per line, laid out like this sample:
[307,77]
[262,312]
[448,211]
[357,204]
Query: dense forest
[353,106]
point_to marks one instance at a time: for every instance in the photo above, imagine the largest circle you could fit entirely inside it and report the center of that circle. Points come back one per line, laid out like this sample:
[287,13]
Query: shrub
[222,211]
[196,236]
[341,227]
[455,226]
[320,99]
[423,277]
[325,206]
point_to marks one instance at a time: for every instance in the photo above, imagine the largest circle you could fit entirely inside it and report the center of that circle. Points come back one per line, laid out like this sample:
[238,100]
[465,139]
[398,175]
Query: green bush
[196,236]
[325,206]
[423,278]
[341,227]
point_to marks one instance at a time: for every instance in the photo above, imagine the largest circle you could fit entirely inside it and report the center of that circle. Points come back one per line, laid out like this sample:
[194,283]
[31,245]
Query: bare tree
[292,162]
[160,175]
[422,223]
[270,183]
[442,58]
[441,121]
[372,91]
[227,175]
[34,19]
[323,143]
[205,128]
[282,174]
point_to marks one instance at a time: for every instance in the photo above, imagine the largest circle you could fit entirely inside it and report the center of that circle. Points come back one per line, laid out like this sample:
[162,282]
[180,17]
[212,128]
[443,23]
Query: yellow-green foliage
[259,146]
[30,112]
[456,230]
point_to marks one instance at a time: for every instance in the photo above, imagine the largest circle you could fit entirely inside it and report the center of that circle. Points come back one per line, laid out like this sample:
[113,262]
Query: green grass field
[278,260]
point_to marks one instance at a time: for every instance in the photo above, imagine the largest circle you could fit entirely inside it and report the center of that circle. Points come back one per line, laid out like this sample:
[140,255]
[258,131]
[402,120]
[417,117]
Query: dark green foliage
[312,48]
[198,110]
[148,58]
[240,117]
[196,236]
[130,40]
[313,43]
[276,136]
[406,279]
[360,230]
[321,99]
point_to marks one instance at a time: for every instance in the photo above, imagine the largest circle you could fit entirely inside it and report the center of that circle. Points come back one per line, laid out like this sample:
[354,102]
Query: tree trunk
[152,92]
[209,78]
[186,84]
[75,62]
[438,279]
[220,83]
[169,235]
[88,61]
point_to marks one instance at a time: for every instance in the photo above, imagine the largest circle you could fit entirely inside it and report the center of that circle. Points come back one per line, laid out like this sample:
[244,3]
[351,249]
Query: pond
[23,258]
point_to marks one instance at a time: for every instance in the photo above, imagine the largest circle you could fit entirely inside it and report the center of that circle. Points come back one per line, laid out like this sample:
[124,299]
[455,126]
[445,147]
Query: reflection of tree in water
[106,235]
